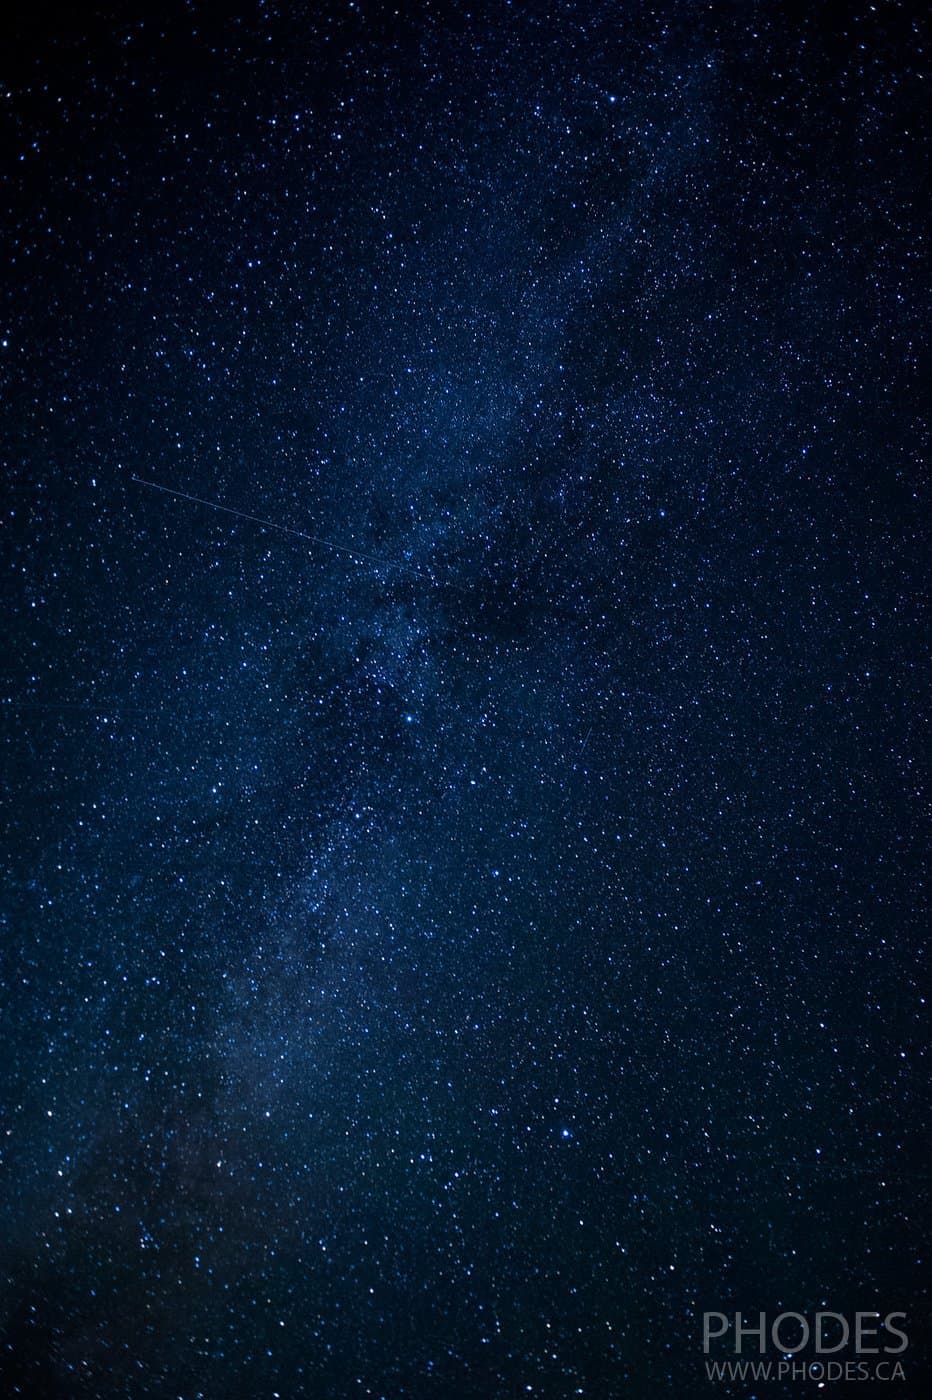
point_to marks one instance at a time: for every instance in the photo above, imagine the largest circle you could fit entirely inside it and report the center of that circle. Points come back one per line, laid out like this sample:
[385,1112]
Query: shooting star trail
[289,530]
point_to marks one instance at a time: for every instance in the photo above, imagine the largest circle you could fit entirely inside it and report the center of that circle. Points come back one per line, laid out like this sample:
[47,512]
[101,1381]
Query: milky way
[461,702]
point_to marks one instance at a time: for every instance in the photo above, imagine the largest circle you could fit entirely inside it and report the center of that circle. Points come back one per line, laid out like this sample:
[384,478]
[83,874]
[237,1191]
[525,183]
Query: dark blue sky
[462,931]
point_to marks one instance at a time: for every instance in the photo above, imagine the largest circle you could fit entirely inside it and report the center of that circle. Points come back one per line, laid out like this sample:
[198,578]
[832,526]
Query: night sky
[460,930]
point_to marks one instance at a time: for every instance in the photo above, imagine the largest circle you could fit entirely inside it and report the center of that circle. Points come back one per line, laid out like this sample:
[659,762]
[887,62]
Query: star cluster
[462,896]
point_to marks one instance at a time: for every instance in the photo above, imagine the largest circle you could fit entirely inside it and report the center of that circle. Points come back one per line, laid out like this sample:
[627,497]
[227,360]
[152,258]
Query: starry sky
[462,899]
